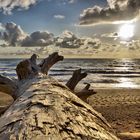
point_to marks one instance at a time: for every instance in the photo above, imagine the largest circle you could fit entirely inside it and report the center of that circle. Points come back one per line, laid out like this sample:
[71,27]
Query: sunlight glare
[126,31]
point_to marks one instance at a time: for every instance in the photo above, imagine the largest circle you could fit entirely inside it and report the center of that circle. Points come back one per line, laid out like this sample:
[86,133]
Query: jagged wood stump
[77,76]
[45,109]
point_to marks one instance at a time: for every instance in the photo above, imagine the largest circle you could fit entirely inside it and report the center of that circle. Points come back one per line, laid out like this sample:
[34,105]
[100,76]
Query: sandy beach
[121,108]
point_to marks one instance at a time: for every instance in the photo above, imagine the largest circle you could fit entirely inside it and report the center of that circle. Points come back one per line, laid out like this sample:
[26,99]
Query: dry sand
[121,108]
[5,101]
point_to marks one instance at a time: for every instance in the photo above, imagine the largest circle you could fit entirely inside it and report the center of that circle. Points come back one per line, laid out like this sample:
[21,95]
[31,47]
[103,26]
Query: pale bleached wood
[48,110]
[45,109]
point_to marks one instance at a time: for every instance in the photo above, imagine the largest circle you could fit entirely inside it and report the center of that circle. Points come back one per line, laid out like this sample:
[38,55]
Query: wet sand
[120,107]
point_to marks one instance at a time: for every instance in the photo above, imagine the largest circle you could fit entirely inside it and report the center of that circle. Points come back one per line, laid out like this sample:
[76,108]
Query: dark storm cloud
[12,33]
[117,10]
[8,5]
[38,39]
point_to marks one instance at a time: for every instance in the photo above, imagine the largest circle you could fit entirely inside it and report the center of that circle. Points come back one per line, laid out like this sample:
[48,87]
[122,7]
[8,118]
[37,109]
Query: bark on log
[76,77]
[45,109]
[48,110]
[85,93]
[8,86]
[48,62]
[74,80]
[27,68]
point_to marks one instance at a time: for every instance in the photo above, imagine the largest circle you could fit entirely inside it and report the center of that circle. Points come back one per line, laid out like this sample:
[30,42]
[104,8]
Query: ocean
[102,73]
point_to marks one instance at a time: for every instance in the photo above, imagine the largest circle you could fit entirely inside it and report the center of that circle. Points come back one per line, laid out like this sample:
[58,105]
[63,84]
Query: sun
[126,31]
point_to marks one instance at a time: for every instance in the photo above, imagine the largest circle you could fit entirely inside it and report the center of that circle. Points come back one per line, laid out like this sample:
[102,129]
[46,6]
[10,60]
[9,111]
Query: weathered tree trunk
[8,86]
[45,109]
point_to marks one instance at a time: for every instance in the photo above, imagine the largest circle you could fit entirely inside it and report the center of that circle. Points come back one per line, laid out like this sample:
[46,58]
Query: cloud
[8,5]
[64,2]
[71,1]
[92,42]
[117,10]
[1,27]
[110,35]
[113,37]
[68,35]
[68,40]
[59,16]
[38,38]
[12,34]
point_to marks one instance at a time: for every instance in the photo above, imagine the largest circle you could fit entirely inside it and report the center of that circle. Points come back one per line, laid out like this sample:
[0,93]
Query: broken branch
[48,62]
[76,77]
[8,86]
[85,92]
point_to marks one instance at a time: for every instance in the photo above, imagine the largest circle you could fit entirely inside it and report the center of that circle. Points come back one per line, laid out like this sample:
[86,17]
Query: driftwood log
[44,109]
[74,80]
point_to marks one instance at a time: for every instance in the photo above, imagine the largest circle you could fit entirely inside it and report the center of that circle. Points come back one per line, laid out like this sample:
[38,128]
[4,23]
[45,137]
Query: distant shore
[88,56]
[81,53]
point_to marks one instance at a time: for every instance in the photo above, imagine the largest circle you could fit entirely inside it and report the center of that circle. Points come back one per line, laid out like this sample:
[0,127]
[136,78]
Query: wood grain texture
[45,109]
[48,110]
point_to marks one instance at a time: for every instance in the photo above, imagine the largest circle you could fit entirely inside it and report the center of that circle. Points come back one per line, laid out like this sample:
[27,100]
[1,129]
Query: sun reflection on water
[124,81]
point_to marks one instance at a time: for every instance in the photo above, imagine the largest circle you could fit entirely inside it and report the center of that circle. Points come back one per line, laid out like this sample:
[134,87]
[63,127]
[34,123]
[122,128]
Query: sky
[52,15]
[36,22]
[58,15]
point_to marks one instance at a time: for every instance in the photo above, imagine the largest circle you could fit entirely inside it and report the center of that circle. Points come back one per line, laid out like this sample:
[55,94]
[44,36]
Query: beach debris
[8,86]
[48,62]
[27,68]
[85,93]
[77,76]
[47,109]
